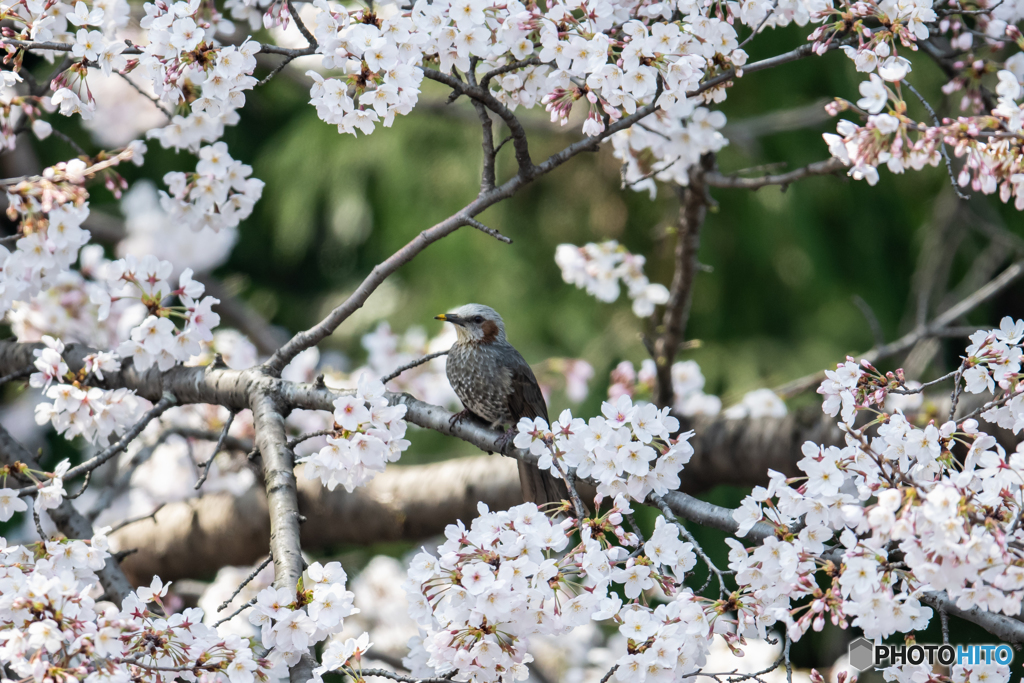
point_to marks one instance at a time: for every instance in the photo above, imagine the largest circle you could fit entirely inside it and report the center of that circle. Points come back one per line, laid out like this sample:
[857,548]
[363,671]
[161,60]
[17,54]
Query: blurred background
[795,279]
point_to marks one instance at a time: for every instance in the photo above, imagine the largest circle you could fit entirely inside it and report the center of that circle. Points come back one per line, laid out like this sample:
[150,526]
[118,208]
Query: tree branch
[282,502]
[826,167]
[527,172]
[194,538]
[934,328]
[693,207]
[483,96]
[166,401]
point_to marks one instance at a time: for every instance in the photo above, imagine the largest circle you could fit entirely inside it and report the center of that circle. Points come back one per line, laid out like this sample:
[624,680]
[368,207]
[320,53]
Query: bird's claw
[458,418]
[504,440]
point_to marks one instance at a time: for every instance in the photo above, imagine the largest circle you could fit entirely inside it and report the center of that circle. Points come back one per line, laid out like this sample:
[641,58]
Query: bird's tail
[540,486]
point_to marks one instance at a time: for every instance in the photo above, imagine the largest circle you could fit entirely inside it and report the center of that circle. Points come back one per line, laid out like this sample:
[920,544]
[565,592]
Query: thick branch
[193,538]
[71,523]
[693,207]
[282,502]
[734,451]
[483,96]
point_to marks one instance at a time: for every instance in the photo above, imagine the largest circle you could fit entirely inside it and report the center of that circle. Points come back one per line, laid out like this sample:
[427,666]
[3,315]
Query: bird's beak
[450,318]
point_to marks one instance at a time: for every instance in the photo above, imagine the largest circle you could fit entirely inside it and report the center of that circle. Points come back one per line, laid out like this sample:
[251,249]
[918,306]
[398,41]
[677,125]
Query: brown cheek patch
[490,329]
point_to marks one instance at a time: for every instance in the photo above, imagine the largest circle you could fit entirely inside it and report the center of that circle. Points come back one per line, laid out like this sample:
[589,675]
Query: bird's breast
[480,381]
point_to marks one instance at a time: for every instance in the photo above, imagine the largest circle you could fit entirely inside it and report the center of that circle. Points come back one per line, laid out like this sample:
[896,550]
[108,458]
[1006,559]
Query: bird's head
[476,324]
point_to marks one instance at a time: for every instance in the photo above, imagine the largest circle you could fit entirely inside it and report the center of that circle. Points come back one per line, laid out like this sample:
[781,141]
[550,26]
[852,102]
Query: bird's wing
[525,398]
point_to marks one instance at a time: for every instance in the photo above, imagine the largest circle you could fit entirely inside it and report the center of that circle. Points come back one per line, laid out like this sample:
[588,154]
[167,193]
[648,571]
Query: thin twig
[255,572]
[301,26]
[789,664]
[501,144]
[955,396]
[650,174]
[942,147]
[39,526]
[121,554]
[869,315]
[1005,398]
[384,673]
[277,69]
[490,231]
[216,449]
[236,612]
[712,567]
[936,327]
[514,66]
[415,363]
[166,402]
[760,26]
[924,386]
[826,167]
[70,141]
[577,503]
[151,515]
[24,372]
[155,100]
[85,485]
[292,443]
[967,12]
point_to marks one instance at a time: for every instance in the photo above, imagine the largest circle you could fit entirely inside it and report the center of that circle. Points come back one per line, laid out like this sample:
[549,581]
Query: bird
[496,386]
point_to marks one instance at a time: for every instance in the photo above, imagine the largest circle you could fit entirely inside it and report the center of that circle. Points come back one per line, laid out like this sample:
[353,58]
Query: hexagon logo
[861,654]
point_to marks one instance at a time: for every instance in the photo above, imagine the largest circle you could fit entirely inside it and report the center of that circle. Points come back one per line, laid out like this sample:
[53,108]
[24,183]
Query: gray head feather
[477,323]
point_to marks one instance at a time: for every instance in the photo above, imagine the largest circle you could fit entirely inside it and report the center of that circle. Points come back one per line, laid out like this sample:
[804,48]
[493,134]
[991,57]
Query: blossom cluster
[668,145]
[600,268]
[77,409]
[986,143]
[607,60]
[219,195]
[628,449]
[292,620]
[493,587]
[185,67]
[68,309]
[50,622]
[50,217]
[648,60]
[368,434]
[150,229]
[896,486]
[157,340]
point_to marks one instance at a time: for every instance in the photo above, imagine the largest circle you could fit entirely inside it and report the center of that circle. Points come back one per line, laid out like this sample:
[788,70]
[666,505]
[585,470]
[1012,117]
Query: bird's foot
[458,417]
[505,439]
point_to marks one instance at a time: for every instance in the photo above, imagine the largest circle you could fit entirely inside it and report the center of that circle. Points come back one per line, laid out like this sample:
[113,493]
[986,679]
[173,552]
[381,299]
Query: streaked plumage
[495,384]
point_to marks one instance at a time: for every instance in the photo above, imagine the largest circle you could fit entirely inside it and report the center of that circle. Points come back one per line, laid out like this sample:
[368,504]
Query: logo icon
[861,654]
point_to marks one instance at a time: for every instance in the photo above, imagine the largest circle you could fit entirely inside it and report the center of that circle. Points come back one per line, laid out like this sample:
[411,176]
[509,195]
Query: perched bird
[497,386]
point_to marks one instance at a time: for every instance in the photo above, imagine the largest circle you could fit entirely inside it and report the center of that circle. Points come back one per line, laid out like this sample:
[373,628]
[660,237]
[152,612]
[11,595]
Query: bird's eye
[478,319]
